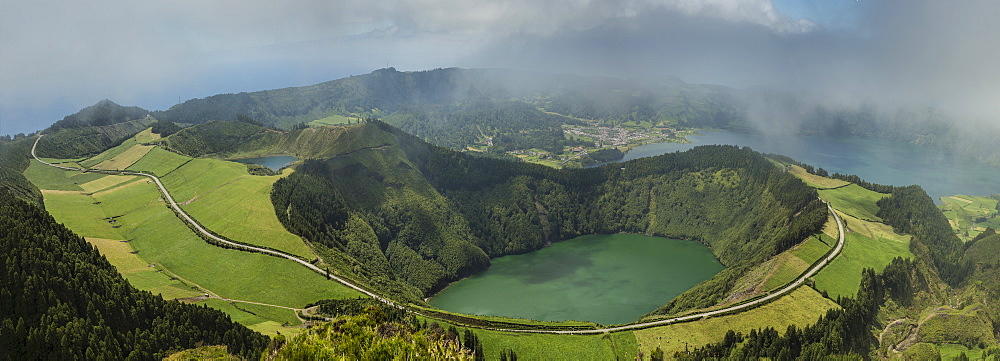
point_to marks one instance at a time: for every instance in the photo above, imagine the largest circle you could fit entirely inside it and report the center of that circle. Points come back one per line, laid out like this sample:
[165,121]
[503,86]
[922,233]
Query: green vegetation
[854,201]
[970,215]
[375,334]
[63,300]
[76,142]
[800,308]
[105,155]
[162,239]
[138,271]
[910,210]
[159,162]
[334,120]
[842,276]
[620,345]
[222,196]
[816,181]
[407,211]
[793,262]
[213,353]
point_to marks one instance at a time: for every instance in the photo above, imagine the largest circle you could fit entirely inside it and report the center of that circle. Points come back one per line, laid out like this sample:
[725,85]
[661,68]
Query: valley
[365,212]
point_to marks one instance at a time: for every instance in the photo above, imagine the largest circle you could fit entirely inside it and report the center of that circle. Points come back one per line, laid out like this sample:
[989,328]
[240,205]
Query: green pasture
[531,346]
[842,276]
[854,200]
[801,307]
[108,154]
[159,161]
[224,198]
[970,215]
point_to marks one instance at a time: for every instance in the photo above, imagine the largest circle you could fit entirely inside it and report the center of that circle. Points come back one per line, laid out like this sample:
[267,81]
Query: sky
[58,56]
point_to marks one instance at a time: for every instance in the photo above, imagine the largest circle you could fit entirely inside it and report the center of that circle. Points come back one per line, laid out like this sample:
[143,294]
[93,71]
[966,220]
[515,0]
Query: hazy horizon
[59,57]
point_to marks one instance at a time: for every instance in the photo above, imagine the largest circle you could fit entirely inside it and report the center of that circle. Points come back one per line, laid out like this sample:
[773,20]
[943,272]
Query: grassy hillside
[411,212]
[970,215]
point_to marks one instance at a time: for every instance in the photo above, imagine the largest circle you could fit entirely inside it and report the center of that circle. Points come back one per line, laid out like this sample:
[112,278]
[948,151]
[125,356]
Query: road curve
[186,217]
[763,299]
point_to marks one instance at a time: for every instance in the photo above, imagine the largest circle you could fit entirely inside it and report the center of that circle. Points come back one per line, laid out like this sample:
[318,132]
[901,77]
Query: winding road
[744,305]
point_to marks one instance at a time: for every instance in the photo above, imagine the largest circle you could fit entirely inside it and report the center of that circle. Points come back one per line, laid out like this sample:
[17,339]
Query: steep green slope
[404,210]
[88,140]
[63,300]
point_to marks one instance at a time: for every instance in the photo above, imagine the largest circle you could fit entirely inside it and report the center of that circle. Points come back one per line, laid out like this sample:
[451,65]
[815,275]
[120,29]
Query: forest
[421,215]
[63,300]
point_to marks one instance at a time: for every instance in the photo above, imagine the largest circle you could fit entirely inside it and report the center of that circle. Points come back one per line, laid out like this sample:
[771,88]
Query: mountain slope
[424,215]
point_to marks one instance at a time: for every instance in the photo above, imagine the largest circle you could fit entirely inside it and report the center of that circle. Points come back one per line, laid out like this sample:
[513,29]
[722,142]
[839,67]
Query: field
[969,215]
[222,196]
[801,307]
[138,271]
[854,200]
[619,345]
[842,276]
[146,136]
[816,181]
[792,263]
[159,161]
[159,237]
[266,320]
[333,120]
[108,154]
[125,159]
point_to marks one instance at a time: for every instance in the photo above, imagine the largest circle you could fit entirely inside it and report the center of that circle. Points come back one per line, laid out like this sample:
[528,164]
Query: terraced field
[158,237]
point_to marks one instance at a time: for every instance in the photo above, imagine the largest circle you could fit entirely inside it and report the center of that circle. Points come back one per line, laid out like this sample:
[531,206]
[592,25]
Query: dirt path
[745,305]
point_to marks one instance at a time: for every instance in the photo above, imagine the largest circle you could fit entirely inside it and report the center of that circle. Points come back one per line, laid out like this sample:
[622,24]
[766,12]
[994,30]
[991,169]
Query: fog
[57,57]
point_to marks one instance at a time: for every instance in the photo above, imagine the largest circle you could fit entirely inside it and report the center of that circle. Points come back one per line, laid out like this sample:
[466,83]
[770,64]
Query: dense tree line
[103,113]
[220,137]
[910,210]
[165,128]
[845,332]
[87,141]
[63,300]
[15,156]
[426,215]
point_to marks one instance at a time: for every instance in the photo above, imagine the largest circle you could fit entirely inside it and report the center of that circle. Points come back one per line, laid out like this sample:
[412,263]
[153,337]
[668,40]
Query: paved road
[750,304]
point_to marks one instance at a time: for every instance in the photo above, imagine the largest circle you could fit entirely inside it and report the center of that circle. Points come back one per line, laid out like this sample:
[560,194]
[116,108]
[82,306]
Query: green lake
[608,279]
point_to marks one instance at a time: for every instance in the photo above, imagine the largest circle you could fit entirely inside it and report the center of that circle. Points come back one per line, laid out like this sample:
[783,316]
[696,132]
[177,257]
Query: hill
[62,299]
[410,214]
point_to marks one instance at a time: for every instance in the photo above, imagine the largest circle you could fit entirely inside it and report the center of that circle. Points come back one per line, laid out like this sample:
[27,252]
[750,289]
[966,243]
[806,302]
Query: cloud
[56,57]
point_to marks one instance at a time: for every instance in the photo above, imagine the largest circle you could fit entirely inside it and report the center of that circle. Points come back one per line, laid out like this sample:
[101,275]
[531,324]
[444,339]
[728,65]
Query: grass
[842,276]
[125,159]
[52,178]
[159,161]
[949,351]
[333,120]
[110,153]
[528,346]
[222,196]
[800,307]
[161,238]
[854,200]
[793,262]
[138,272]
[105,182]
[816,181]
[217,353]
[146,136]
[970,215]
[254,321]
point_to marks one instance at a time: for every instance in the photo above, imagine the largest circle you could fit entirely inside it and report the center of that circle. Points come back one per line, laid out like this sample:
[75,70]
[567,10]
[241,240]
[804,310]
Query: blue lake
[880,161]
[274,162]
